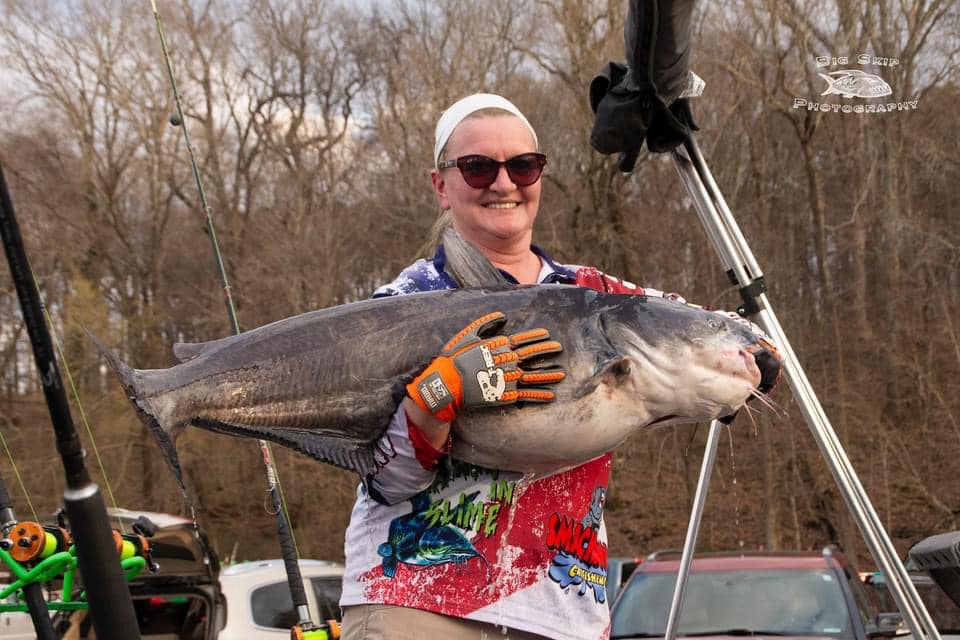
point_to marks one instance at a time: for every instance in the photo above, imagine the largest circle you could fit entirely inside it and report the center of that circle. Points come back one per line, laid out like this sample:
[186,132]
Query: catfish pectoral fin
[612,371]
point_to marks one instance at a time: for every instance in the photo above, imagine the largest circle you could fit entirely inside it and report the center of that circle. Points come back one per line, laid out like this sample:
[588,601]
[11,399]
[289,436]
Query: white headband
[462,108]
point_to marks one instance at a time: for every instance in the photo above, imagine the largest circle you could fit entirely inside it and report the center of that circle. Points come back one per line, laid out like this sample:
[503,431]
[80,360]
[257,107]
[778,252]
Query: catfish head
[632,362]
[675,363]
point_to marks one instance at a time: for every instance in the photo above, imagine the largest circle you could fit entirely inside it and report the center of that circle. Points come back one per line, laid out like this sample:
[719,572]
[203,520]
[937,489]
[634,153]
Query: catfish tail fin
[164,431]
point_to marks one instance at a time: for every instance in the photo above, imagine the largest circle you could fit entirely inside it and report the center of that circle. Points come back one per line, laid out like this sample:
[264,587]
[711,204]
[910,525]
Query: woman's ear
[440,189]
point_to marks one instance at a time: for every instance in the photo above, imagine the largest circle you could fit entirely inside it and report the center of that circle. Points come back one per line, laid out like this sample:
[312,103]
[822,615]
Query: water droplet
[736,495]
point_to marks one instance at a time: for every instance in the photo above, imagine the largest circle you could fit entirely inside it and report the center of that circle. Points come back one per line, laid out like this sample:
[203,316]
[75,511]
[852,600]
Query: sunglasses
[480,171]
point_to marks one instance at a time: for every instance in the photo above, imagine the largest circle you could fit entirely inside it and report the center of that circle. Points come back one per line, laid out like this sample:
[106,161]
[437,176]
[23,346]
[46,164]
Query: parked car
[259,603]
[619,571]
[735,594]
[943,611]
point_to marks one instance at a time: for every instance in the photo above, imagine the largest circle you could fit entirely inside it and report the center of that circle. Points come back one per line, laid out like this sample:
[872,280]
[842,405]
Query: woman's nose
[503,183]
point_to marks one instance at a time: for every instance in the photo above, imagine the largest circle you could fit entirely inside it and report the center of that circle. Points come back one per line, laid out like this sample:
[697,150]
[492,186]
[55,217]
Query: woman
[437,548]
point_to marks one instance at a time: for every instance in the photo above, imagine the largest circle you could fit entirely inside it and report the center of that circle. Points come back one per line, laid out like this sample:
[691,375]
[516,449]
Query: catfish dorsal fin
[184,351]
[611,372]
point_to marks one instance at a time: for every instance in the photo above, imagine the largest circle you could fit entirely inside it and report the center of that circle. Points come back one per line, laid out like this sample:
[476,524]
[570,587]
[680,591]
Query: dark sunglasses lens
[478,171]
[525,170]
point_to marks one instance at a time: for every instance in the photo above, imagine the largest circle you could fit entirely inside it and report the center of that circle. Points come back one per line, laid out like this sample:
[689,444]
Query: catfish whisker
[753,421]
[768,402]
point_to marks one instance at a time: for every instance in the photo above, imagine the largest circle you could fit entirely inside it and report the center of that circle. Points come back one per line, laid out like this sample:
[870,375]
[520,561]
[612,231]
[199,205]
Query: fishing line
[76,398]
[178,119]
[58,345]
[16,471]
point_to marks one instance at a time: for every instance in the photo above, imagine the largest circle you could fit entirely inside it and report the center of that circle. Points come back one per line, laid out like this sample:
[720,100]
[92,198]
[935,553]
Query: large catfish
[326,383]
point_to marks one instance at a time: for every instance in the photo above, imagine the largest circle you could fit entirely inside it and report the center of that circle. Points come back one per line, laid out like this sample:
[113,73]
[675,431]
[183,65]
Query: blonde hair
[429,247]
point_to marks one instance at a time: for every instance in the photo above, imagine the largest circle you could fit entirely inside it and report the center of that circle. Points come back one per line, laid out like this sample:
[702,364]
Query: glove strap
[438,390]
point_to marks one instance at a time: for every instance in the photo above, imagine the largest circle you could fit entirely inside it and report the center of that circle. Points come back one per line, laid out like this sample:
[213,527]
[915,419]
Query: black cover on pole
[939,556]
[107,594]
[639,100]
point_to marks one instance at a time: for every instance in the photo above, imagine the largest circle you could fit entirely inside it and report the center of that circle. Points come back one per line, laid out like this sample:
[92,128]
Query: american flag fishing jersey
[434,533]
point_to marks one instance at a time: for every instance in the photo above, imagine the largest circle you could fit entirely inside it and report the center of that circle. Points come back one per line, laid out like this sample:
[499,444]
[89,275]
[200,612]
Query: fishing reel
[37,553]
[34,554]
[136,544]
[330,630]
[29,542]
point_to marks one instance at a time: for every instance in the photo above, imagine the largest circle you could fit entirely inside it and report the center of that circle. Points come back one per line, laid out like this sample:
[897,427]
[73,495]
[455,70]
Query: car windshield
[789,602]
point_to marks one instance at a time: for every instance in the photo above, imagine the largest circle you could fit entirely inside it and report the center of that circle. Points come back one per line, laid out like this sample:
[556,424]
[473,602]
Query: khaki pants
[385,622]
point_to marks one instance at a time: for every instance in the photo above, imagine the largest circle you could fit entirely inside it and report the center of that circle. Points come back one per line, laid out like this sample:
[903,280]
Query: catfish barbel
[327,382]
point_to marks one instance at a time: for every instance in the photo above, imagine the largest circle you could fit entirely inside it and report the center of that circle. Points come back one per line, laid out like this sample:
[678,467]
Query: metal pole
[693,528]
[110,605]
[734,251]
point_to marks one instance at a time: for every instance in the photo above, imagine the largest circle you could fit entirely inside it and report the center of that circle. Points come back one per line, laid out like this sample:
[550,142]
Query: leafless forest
[313,128]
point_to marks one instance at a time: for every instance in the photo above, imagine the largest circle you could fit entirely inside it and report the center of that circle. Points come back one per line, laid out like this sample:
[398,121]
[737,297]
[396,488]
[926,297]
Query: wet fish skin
[326,383]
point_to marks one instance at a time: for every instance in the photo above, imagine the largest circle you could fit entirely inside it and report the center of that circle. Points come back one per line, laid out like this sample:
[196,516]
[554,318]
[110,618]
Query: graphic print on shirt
[582,558]
[436,532]
[417,539]
[508,529]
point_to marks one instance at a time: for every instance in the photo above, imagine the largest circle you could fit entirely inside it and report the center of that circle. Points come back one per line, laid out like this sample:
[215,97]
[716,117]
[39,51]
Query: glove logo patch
[492,391]
[434,392]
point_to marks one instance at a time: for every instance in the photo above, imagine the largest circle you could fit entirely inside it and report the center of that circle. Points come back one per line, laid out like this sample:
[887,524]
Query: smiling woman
[443,542]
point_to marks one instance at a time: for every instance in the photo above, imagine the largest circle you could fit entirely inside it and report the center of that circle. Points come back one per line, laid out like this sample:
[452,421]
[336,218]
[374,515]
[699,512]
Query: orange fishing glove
[475,372]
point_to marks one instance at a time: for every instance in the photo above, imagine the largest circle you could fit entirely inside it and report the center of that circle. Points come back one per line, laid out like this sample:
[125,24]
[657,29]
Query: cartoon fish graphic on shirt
[411,540]
[853,83]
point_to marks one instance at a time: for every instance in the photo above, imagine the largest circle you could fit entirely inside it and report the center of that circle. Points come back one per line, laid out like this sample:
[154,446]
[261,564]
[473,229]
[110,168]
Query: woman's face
[503,213]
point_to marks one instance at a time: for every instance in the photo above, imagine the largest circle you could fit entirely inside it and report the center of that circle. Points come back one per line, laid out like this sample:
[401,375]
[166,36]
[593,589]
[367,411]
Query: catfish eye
[715,324]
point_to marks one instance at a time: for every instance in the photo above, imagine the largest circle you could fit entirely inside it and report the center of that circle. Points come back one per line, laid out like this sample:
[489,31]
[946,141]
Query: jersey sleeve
[408,462]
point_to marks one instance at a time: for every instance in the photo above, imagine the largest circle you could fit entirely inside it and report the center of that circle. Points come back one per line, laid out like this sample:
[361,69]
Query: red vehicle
[804,594]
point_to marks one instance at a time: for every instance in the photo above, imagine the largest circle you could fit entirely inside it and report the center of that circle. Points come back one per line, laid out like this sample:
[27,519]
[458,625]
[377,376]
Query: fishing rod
[109,598]
[305,627]
[743,269]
